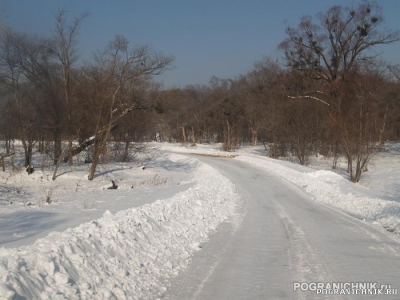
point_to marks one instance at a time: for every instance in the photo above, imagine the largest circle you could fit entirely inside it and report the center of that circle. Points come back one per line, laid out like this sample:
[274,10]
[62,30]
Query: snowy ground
[130,242]
[376,198]
[25,215]
[285,237]
[121,244]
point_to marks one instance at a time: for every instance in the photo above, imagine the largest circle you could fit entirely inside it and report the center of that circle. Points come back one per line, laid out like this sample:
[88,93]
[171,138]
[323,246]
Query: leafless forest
[330,94]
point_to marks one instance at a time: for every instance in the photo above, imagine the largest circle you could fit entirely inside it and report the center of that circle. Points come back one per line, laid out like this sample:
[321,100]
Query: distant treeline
[330,95]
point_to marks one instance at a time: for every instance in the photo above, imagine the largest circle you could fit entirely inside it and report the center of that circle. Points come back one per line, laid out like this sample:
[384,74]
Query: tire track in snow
[303,257]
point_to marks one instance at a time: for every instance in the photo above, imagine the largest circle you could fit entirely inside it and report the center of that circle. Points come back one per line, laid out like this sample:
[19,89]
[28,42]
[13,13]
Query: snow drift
[326,186]
[331,188]
[129,255]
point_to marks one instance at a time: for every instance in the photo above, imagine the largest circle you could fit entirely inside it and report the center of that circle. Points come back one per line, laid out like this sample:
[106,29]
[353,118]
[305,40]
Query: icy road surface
[285,237]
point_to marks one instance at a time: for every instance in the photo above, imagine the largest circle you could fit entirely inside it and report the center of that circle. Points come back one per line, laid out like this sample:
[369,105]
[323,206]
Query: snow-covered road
[285,237]
[219,228]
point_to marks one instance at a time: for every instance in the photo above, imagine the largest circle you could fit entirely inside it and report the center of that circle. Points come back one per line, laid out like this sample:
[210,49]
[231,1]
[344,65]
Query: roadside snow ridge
[129,255]
[328,187]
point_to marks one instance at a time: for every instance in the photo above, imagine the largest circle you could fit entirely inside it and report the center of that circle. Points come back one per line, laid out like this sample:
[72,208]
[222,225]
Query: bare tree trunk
[324,148]
[59,161]
[335,154]
[228,137]
[350,168]
[57,145]
[2,160]
[193,137]
[95,161]
[7,146]
[8,136]
[382,130]
[254,137]
[126,150]
[56,168]
[301,154]
[184,135]
[3,165]
[100,144]
[41,146]
[358,171]
[28,153]
[70,149]
[275,147]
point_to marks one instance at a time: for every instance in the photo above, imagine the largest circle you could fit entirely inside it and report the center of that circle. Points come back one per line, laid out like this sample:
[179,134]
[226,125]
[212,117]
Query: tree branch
[308,97]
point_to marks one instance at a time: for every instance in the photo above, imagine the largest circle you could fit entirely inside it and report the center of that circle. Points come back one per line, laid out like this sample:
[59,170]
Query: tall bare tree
[332,51]
[24,64]
[64,46]
[111,83]
[331,48]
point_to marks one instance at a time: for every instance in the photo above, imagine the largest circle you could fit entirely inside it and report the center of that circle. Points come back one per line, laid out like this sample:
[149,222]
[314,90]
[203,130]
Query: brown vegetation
[333,98]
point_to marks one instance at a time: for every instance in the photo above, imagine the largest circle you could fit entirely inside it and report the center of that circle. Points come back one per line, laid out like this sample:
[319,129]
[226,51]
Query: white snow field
[131,254]
[218,225]
[25,216]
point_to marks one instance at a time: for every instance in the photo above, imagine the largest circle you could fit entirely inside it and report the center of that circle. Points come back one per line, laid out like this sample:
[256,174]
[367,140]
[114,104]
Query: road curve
[285,237]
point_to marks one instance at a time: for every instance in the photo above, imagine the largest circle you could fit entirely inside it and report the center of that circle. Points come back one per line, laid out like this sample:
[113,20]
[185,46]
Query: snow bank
[331,188]
[211,150]
[129,255]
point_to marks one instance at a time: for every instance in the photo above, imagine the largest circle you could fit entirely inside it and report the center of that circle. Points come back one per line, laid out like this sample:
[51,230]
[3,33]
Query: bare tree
[64,46]
[366,116]
[110,87]
[263,112]
[332,51]
[24,60]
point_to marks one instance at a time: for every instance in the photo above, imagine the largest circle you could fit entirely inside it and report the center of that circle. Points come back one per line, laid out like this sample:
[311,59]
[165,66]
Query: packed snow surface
[331,188]
[375,199]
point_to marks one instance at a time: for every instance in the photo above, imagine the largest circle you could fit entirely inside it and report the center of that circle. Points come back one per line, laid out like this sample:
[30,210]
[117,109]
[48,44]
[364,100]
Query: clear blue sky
[207,38]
